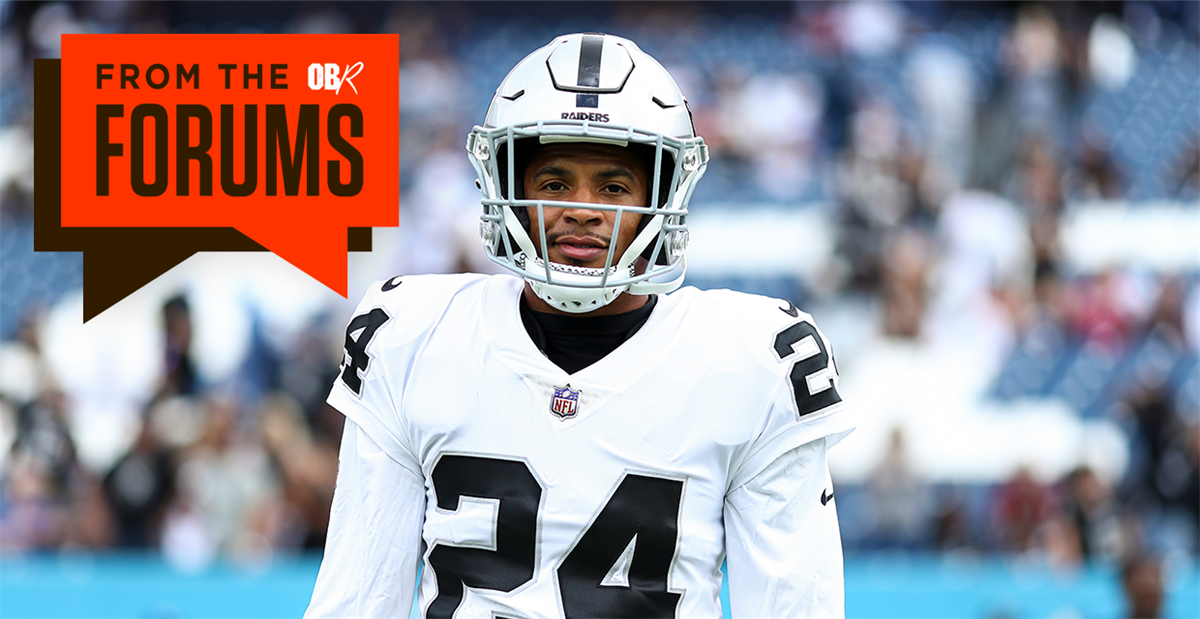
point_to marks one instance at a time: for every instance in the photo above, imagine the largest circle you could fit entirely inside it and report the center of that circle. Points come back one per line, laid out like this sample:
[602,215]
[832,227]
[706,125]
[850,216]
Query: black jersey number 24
[642,512]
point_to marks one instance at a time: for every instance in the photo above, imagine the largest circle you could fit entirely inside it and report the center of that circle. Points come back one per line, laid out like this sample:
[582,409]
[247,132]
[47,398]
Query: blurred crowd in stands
[211,473]
[948,142]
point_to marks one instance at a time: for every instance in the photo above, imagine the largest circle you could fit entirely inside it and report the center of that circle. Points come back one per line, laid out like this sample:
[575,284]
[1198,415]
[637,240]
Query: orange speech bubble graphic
[290,140]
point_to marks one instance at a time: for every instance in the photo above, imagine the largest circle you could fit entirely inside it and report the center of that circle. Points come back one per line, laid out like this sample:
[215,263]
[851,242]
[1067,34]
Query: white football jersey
[599,493]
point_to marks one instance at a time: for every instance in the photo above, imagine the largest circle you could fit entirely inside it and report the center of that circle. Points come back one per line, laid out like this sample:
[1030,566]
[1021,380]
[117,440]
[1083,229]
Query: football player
[574,441]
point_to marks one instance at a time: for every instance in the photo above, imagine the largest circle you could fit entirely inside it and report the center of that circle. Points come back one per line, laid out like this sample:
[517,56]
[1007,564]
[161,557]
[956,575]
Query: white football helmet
[589,88]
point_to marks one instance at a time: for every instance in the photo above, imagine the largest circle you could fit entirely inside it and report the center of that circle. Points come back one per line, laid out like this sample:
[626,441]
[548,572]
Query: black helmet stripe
[590,51]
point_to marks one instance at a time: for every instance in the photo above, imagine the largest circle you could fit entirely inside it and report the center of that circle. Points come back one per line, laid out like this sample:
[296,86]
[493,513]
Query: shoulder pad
[753,313]
[764,326]
[418,299]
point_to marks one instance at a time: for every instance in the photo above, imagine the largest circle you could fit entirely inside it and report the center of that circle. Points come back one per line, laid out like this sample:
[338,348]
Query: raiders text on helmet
[589,88]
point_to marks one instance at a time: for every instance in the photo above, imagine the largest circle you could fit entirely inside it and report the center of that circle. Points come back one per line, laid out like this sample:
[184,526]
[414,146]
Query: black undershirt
[575,342]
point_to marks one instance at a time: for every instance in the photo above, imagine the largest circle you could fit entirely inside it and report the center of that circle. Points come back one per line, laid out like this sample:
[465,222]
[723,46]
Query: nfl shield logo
[566,402]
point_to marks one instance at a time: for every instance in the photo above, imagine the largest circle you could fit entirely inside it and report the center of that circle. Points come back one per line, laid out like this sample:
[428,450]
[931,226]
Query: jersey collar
[618,369]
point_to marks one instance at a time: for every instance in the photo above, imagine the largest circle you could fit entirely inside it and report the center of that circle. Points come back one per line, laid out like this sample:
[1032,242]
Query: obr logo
[326,76]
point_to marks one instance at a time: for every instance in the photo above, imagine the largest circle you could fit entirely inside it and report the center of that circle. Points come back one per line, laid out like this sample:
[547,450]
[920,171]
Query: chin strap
[650,286]
[577,291]
[579,300]
[575,300]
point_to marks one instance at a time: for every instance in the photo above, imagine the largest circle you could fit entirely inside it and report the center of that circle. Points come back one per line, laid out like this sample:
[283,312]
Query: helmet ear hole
[523,150]
[665,171]
[646,153]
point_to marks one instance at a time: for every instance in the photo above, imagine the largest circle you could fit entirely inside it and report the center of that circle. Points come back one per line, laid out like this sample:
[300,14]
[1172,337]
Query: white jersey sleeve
[386,333]
[364,390]
[374,541]
[782,540]
[805,404]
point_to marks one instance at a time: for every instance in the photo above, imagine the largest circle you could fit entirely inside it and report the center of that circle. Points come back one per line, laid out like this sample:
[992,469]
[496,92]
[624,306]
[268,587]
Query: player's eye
[553,186]
[614,189]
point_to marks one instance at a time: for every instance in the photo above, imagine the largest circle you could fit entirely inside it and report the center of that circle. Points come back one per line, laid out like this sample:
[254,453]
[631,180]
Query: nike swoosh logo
[826,498]
[791,310]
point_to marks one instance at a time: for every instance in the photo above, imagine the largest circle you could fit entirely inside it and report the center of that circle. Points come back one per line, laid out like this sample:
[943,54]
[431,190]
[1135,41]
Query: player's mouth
[581,248]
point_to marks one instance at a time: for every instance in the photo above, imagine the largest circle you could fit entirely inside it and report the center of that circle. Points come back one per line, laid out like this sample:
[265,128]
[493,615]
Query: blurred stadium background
[992,208]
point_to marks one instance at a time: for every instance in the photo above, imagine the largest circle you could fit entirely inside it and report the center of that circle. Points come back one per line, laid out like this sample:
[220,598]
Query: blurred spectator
[906,262]
[1156,429]
[308,471]
[870,29]
[944,90]
[24,374]
[1095,313]
[1167,316]
[1021,506]
[1035,61]
[1035,184]
[138,490]
[1185,172]
[1111,55]
[1095,176]
[777,125]
[33,518]
[1093,511]
[984,266]
[222,482]
[90,523]
[899,499]
[1031,96]
[881,181]
[180,378]
[43,435]
[1142,584]
[1182,484]
[309,367]
[952,524]
[48,500]
[870,174]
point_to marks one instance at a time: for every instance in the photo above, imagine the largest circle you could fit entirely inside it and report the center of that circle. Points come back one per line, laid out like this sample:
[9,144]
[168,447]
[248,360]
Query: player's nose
[581,215]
